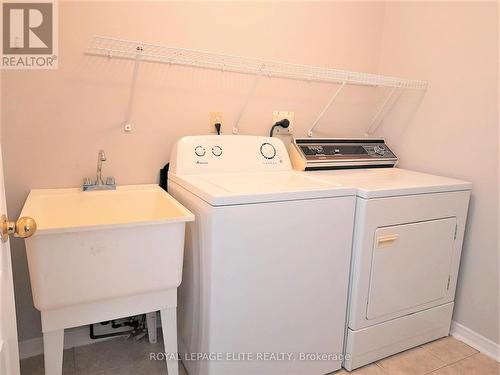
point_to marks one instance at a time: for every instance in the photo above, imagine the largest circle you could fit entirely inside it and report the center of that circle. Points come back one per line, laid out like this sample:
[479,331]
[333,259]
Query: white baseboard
[30,348]
[73,337]
[474,339]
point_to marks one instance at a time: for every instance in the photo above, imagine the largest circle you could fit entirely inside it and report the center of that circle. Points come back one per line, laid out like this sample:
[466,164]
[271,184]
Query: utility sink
[100,245]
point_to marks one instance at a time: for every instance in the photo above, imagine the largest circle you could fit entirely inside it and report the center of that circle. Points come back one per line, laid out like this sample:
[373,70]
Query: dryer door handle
[387,240]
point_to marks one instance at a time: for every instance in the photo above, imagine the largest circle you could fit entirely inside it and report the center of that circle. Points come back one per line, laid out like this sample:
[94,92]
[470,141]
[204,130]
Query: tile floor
[446,356]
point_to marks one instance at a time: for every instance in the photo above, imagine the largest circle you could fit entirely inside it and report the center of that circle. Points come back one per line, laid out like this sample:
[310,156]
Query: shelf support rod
[127,126]
[376,120]
[327,106]
[247,99]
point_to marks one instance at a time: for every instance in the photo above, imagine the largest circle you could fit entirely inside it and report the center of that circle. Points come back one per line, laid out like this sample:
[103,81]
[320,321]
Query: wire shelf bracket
[383,109]
[247,100]
[128,114]
[325,108]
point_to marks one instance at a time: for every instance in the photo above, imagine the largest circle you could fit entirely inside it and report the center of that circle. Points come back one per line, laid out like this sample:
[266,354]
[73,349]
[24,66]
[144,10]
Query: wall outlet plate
[216,118]
[280,115]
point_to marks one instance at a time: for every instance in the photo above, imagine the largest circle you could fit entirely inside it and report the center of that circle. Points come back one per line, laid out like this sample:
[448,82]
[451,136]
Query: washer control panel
[229,153]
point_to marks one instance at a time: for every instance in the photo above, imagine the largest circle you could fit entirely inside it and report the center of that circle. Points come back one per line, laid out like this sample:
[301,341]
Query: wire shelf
[126,49]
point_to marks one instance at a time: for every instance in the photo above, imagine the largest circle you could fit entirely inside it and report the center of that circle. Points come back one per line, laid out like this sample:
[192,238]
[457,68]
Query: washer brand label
[29,35]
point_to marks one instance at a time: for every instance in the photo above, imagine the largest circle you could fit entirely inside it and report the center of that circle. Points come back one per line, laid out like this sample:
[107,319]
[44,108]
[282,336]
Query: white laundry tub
[99,245]
[102,255]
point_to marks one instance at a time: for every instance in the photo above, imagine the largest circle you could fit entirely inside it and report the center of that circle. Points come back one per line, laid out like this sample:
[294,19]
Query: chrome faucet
[99,183]
[100,158]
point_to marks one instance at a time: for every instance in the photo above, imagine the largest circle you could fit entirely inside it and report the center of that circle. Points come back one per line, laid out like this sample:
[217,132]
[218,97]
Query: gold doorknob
[24,227]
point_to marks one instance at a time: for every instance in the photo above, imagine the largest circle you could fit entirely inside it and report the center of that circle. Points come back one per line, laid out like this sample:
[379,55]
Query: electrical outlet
[216,118]
[280,115]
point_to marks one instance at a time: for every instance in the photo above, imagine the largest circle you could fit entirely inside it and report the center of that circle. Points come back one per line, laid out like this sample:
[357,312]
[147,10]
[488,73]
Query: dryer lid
[388,182]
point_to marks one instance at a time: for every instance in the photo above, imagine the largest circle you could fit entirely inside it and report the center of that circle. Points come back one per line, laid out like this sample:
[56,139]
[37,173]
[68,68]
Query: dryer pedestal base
[370,344]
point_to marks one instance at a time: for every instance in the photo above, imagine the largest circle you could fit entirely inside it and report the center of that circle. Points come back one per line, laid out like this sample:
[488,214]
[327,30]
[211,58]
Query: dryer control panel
[332,153]
[228,153]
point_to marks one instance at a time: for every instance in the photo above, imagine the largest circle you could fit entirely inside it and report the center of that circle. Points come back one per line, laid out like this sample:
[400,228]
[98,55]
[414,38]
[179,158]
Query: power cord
[285,123]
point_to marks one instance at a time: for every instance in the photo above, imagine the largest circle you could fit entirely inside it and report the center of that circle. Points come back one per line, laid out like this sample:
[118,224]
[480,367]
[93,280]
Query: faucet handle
[110,181]
[87,181]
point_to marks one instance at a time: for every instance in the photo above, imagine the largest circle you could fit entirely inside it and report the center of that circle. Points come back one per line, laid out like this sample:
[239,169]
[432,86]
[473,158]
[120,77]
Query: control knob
[199,151]
[217,150]
[379,150]
[267,150]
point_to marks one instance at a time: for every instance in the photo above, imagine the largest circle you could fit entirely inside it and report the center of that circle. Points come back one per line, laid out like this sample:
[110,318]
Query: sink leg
[53,343]
[169,329]
[151,323]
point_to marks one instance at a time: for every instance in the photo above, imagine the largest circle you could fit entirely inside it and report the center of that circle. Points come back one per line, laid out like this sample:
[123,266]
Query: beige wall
[55,121]
[454,132]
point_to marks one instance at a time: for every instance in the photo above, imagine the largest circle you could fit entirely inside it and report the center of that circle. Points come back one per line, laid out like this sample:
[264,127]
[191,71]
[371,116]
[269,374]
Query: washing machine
[407,243]
[266,263]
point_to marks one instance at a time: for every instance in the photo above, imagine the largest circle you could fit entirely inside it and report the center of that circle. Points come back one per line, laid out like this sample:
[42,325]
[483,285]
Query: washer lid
[388,182]
[224,189]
